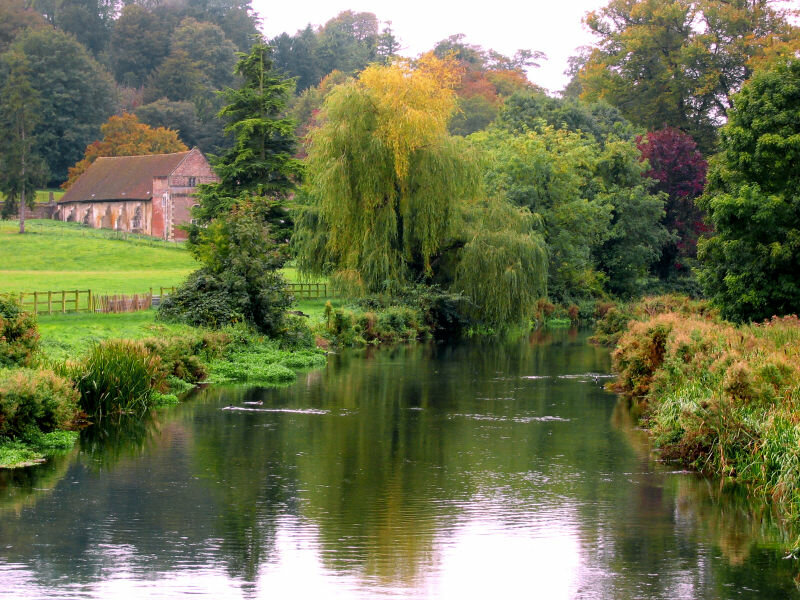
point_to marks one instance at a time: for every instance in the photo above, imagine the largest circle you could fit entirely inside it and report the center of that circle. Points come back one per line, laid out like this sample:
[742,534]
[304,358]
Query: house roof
[122,177]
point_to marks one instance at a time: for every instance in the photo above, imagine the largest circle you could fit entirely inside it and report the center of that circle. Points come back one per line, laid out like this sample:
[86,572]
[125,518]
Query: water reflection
[425,472]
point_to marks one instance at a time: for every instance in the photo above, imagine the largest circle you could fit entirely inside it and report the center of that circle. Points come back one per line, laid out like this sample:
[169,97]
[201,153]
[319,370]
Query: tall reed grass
[720,398]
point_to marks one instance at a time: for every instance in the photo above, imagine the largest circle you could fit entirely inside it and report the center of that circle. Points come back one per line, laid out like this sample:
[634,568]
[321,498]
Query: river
[478,470]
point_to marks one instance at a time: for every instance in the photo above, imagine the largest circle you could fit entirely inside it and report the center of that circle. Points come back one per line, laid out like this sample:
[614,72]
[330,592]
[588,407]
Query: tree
[178,78]
[179,116]
[207,45]
[240,278]
[139,42]
[243,241]
[126,136]
[261,161]
[595,212]
[15,17]
[677,62]
[21,170]
[680,172]
[76,96]
[384,174]
[529,110]
[391,199]
[749,265]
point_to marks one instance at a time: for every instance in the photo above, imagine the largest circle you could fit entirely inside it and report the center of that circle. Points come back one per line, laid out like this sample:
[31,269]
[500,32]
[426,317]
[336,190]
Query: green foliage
[19,334]
[21,169]
[240,281]
[530,110]
[116,376]
[258,360]
[384,178]
[599,221]
[261,161]
[35,400]
[676,63]
[139,42]
[502,267]
[385,324]
[749,265]
[76,97]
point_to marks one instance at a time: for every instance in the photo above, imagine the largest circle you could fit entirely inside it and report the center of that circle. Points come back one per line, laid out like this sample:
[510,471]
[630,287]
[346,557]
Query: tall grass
[117,376]
[720,398]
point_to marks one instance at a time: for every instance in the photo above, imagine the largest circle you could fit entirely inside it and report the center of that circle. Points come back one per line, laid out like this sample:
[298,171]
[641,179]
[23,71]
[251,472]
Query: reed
[117,376]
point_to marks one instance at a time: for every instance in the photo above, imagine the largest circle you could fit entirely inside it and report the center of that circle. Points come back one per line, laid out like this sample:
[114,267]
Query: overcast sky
[553,26]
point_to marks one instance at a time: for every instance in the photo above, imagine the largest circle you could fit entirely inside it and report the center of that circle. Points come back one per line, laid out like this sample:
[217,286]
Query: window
[192,181]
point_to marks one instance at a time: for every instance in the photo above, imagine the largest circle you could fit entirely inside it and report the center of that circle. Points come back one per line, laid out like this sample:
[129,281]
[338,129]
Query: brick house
[150,194]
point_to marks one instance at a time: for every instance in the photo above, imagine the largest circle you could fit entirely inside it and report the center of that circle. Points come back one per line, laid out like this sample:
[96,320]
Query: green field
[44,195]
[66,256]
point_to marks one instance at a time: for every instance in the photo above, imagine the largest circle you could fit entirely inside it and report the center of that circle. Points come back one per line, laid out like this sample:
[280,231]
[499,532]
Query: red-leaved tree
[680,171]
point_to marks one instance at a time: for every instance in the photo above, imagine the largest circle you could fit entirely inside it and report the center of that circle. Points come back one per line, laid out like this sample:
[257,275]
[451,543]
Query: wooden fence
[61,301]
[64,301]
[308,291]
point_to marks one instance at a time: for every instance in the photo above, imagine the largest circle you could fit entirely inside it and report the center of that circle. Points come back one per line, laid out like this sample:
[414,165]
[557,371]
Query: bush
[185,357]
[36,400]
[117,376]
[214,301]
[19,335]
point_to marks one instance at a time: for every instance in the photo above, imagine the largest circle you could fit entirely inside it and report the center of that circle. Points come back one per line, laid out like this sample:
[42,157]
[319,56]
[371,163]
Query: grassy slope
[67,256]
[57,256]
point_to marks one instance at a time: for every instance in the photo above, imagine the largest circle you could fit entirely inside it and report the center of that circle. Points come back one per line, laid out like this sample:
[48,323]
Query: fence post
[89,302]
[63,301]
[50,300]
[36,303]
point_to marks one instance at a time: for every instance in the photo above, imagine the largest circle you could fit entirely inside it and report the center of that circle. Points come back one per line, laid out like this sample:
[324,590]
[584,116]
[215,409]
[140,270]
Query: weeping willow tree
[391,198]
[384,177]
[502,267]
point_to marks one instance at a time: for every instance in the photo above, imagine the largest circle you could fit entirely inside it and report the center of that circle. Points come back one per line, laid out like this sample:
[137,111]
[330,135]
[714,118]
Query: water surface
[471,471]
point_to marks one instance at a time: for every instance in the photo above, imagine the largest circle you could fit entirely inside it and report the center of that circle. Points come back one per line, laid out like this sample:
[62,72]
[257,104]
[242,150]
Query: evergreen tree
[261,161]
[21,170]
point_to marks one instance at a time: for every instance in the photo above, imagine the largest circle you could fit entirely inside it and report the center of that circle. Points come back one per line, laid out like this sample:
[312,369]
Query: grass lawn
[66,256]
[69,335]
[44,195]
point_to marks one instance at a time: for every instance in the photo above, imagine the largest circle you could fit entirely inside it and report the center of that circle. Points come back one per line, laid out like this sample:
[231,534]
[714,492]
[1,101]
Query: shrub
[117,376]
[184,357]
[19,335]
[38,400]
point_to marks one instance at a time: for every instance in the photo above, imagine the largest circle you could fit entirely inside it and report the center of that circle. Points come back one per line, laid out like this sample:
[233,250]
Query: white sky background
[553,27]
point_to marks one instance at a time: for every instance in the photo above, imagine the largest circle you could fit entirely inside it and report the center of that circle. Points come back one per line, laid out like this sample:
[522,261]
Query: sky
[553,27]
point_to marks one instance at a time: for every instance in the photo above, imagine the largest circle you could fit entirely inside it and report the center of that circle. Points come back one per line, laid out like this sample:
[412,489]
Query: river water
[481,470]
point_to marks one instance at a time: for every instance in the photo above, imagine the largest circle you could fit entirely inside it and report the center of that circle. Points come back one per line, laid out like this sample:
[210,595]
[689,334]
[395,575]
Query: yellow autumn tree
[384,176]
[126,136]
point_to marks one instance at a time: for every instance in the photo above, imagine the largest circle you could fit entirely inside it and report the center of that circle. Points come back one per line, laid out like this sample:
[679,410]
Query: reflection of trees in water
[408,444]
[682,511]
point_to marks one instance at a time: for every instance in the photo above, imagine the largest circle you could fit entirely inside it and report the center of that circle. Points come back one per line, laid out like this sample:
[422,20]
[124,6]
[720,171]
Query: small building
[151,194]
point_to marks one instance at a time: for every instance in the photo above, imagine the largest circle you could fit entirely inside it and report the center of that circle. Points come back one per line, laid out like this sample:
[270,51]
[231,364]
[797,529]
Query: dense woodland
[451,175]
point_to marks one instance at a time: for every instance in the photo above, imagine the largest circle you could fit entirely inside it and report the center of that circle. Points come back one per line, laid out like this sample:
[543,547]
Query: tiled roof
[122,177]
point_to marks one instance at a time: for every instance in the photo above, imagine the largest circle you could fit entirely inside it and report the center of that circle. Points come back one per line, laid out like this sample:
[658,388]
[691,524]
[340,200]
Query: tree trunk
[22,190]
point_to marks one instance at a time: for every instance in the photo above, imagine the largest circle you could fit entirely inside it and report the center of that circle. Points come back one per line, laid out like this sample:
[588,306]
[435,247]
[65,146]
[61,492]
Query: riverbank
[719,398]
[67,371]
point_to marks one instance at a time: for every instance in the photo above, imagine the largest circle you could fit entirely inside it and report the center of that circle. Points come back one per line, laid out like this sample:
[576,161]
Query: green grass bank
[720,398]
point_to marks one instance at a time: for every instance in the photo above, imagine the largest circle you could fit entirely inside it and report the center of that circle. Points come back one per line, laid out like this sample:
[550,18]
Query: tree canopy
[126,136]
[677,62]
[749,265]
[76,96]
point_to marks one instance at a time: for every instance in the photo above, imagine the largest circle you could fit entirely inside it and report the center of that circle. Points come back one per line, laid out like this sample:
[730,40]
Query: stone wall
[41,210]
[134,216]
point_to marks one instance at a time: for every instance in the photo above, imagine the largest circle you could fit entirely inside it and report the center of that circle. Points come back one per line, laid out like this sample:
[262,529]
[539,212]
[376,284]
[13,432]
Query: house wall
[134,216]
[183,182]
